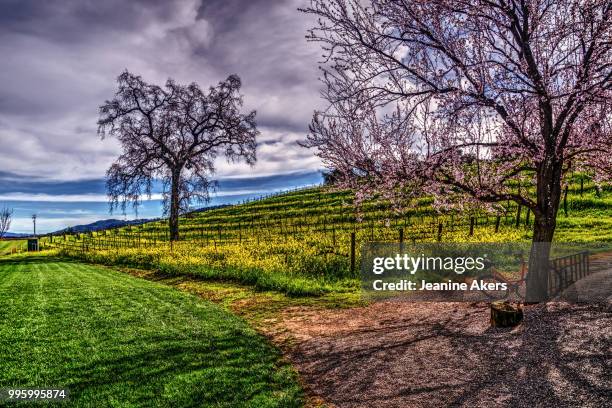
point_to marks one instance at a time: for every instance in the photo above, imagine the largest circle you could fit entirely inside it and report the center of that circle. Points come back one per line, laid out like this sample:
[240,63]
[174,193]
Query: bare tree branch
[173,134]
[6,216]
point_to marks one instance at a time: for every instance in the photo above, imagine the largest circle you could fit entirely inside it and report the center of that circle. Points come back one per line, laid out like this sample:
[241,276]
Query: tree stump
[506,314]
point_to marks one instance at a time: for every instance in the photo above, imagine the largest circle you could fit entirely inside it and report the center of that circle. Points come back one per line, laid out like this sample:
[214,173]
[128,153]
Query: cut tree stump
[506,314]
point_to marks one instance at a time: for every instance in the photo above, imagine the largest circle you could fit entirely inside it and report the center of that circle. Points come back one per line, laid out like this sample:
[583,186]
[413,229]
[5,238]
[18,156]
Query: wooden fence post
[527,217]
[352,253]
[565,200]
[497,221]
[471,225]
[440,232]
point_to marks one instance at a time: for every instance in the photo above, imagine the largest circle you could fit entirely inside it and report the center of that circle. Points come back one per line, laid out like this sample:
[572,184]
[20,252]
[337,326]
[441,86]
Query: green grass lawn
[117,341]
[6,246]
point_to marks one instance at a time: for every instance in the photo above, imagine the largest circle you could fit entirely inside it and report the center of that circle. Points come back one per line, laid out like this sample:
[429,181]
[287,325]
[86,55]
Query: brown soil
[425,354]
[400,354]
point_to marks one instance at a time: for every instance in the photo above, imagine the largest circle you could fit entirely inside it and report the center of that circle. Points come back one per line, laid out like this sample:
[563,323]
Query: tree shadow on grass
[34,259]
[234,368]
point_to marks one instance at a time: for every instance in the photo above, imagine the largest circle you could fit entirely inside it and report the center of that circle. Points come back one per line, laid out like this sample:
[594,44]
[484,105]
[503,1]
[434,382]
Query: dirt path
[398,354]
[401,354]
[593,288]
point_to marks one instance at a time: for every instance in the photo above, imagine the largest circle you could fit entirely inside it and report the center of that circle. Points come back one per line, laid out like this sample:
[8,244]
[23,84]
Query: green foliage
[299,242]
[9,245]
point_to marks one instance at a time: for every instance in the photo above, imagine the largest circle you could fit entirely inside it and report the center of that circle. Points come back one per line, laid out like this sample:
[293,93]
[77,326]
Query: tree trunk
[545,214]
[174,205]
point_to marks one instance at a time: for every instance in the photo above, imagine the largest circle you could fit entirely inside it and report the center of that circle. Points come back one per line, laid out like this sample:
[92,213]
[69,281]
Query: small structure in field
[32,244]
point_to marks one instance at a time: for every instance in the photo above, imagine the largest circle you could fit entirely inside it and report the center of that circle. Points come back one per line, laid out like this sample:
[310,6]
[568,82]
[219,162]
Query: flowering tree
[463,98]
[173,134]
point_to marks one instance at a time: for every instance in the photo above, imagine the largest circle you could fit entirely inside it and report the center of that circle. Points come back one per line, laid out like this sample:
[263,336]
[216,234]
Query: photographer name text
[408,285]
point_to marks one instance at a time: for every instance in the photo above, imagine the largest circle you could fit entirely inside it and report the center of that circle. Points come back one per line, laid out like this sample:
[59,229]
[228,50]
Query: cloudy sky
[60,59]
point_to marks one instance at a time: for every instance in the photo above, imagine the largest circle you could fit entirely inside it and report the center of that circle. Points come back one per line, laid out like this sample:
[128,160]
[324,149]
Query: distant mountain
[102,225]
[110,223]
[14,235]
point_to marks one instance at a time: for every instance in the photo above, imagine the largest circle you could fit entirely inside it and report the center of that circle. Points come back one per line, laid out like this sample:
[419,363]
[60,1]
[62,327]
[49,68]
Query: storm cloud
[60,60]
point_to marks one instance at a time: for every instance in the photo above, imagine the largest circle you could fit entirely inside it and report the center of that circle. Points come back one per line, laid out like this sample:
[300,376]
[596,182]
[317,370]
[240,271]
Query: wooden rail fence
[566,270]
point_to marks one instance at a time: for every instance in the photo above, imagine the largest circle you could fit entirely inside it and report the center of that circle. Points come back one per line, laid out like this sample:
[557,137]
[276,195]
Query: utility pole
[34,221]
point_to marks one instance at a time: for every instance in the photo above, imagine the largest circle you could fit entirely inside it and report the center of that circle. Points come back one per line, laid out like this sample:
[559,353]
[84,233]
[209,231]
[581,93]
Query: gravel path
[596,287]
[401,354]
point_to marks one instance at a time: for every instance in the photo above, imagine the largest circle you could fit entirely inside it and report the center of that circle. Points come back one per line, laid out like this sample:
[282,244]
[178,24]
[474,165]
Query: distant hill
[110,223]
[14,235]
[102,225]
[209,208]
